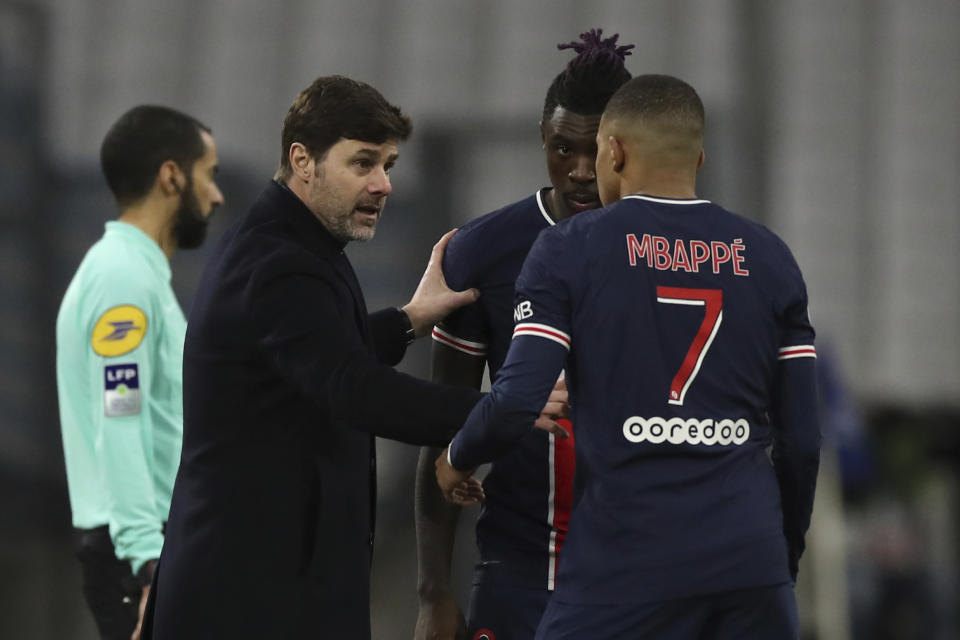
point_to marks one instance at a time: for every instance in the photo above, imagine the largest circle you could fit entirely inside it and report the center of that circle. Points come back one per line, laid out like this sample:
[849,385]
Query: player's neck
[555,206]
[154,223]
[661,184]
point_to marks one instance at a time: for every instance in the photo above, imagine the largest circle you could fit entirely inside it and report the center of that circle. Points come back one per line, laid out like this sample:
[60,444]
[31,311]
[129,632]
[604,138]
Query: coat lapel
[318,240]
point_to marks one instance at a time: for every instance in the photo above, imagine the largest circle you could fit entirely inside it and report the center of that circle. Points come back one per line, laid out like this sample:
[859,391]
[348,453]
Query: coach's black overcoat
[286,379]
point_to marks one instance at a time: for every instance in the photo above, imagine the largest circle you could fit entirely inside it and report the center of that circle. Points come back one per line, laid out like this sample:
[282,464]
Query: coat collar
[296,211]
[311,233]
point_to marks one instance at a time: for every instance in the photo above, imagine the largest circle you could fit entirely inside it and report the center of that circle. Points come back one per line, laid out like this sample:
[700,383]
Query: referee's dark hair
[335,107]
[141,141]
[590,78]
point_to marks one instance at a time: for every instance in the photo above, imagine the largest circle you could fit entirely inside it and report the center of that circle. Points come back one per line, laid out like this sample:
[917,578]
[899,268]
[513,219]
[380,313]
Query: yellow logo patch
[119,330]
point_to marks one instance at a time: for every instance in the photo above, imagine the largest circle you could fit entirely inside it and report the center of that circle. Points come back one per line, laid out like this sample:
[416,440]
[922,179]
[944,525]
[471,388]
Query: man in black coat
[286,381]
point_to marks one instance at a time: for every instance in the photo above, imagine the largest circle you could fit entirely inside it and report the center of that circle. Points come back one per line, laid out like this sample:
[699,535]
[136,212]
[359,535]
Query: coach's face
[350,186]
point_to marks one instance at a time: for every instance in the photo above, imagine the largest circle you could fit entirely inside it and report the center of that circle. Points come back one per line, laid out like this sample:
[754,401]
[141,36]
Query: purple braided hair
[593,48]
[588,81]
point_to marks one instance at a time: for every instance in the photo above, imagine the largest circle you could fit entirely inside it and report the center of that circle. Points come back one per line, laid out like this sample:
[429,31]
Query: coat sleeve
[388,327]
[311,338]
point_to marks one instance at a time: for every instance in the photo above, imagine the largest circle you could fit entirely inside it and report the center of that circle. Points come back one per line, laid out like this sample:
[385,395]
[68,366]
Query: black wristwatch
[409,332]
[145,575]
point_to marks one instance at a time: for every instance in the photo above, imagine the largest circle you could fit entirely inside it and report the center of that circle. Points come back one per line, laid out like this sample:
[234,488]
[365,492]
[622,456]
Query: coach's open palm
[433,299]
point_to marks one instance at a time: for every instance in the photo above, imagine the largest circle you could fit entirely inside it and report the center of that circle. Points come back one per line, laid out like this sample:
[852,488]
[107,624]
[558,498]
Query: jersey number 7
[712,300]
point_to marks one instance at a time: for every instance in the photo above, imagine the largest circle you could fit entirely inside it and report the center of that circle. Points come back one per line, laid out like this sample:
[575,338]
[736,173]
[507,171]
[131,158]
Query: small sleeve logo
[522,311]
[119,330]
[121,383]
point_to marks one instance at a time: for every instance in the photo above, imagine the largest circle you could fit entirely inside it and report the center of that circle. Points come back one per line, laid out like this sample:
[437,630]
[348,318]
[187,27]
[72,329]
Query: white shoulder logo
[523,311]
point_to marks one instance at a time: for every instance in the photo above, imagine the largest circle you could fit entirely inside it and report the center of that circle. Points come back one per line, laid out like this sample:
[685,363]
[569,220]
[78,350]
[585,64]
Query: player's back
[680,311]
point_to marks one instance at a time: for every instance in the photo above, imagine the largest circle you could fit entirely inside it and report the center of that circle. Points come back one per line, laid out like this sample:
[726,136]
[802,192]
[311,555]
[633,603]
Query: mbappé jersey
[689,355]
[523,523]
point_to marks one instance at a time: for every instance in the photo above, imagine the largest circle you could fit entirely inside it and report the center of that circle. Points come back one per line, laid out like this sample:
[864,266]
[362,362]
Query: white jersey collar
[638,196]
[543,208]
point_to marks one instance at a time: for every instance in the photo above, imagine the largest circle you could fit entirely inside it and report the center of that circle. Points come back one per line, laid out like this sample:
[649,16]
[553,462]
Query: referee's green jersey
[120,338]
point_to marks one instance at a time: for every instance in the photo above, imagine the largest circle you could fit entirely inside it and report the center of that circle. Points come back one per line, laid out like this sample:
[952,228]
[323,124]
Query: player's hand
[558,406]
[458,487]
[143,605]
[440,619]
[434,300]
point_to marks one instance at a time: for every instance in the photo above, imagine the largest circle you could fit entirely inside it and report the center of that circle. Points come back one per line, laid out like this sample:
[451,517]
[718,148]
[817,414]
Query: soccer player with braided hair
[528,494]
[690,361]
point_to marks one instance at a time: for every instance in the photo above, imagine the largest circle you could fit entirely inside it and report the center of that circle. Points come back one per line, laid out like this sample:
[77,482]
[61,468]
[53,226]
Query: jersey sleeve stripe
[542,331]
[466,346]
[798,351]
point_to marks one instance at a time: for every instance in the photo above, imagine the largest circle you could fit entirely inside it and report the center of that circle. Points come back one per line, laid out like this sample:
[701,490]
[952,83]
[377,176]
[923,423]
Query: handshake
[461,488]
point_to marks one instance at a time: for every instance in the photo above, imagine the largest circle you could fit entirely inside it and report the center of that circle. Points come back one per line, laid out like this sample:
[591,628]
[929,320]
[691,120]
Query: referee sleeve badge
[119,330]
[121,390]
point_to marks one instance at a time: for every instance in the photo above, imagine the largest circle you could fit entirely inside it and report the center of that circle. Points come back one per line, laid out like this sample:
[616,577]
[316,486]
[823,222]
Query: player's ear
[701,159]
[170,178]
[301,161]
[618,156]
[543,135]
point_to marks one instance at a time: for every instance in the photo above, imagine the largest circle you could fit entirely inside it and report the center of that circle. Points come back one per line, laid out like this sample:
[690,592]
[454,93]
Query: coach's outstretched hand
[434,300]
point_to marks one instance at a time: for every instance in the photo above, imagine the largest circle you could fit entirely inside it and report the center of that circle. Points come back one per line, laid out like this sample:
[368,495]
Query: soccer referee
[120,338]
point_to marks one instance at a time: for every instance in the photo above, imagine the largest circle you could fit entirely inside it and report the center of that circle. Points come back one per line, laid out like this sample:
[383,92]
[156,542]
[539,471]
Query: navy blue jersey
[524,519]
[690,357]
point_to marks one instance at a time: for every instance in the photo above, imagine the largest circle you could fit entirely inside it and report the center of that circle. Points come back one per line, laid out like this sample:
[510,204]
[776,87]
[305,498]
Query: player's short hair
[141,141]
[590,78]
[666,99]
[335,107]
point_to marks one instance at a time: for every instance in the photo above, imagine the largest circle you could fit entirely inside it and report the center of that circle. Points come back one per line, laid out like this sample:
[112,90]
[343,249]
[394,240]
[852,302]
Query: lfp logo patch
[121,390]
[119,330]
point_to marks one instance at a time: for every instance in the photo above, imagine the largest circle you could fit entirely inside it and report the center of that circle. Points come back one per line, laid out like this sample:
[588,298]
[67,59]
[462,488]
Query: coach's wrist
[420,320]
[410,333]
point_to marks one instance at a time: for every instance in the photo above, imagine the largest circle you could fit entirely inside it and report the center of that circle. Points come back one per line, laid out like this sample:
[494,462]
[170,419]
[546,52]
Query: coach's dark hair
[141,141]
[335,107]
[665,98]
[591,78]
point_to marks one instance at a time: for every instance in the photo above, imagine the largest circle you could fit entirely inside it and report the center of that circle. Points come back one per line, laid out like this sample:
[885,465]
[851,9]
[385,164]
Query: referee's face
[198,198]
[350,186]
